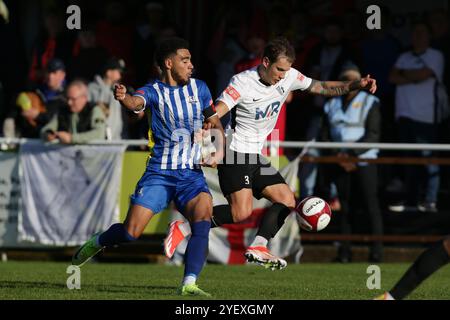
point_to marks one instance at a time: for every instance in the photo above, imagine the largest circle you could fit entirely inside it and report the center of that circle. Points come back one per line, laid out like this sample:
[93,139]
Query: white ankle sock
[189,279]
[259,242]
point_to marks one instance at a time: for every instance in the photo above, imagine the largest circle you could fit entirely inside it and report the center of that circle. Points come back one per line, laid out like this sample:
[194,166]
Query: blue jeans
[308,171]
[411,131]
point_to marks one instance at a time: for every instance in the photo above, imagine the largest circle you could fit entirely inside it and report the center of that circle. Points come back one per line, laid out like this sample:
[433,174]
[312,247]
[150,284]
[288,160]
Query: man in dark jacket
[79,121]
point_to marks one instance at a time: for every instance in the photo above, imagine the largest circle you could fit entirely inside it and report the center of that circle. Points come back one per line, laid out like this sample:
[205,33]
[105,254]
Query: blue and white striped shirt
[176,112]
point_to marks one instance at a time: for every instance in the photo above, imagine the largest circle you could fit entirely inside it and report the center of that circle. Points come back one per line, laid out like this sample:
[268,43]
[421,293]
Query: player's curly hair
[279,47]
[168,47]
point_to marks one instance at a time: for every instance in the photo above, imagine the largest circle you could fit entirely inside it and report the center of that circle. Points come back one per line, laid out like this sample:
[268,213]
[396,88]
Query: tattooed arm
[339,88]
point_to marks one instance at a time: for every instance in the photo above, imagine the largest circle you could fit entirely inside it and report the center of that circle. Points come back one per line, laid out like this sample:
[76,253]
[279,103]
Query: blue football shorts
[157,188]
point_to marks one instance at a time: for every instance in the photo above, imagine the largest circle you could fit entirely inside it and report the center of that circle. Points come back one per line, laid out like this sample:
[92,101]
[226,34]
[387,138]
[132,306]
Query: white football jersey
[257,106]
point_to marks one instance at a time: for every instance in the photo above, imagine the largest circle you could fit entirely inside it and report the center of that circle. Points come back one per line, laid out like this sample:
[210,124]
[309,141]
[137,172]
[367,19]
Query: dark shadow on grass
[169,290]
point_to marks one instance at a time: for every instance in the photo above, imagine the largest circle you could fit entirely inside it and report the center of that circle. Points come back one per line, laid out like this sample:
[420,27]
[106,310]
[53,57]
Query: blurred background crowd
[117,40]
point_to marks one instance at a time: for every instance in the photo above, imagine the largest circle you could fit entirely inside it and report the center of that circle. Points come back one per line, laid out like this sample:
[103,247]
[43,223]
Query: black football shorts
[251,171]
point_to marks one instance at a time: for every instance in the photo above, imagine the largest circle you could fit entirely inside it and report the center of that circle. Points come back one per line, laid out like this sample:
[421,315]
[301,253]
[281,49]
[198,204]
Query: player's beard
[181,80]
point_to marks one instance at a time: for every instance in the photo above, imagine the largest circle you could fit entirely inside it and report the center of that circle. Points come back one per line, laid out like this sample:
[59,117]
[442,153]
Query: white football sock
[259,242]
[190,279]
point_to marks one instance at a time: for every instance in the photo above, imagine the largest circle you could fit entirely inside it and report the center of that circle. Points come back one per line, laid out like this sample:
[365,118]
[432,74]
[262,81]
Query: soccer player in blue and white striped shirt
[179,106]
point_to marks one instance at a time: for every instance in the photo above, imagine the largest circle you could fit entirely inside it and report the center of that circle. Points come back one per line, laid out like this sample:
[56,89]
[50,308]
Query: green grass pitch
[47,280]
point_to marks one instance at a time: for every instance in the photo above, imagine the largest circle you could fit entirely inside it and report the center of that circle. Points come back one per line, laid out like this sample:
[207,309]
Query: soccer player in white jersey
[179,107]
[254,98]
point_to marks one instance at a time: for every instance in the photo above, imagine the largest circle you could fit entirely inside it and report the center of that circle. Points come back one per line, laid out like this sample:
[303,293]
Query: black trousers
[358,187]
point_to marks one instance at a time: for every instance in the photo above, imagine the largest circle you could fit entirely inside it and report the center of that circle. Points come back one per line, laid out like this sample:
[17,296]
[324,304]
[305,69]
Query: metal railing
[284,144]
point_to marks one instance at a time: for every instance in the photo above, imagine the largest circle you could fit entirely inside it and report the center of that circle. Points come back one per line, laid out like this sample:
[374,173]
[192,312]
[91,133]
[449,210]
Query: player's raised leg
[137,218]
[198,211]
[283,203]
[241,207]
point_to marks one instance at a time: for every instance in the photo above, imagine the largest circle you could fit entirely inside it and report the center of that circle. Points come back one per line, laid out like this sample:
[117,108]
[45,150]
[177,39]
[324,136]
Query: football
[207,146]
[313,214]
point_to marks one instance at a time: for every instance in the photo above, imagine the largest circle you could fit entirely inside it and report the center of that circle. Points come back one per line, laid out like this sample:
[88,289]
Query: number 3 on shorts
[247,179]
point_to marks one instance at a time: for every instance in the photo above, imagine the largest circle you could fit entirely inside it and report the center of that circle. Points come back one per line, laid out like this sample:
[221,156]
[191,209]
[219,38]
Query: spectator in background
[352,20]
[88,57]
[145,40]
[52,90]
[54,41]
[115,34]
[380,50]
[415,73]
[54,81]
[279,22]
[27,119]
[255,48]
[296,115]
[355,117]
[327,58]
[325,61]
[14,58]
[227,46]
[440,40]
[440,36]
[78,122]
[101,94]
[34,108]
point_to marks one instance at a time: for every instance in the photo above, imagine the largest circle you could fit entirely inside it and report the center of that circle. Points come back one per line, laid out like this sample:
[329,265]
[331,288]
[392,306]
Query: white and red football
[313,214]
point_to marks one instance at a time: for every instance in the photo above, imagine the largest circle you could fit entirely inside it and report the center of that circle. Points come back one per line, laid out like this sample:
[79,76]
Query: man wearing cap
[77,122]
[51,93]
[54,82]
[101,94]
[355,117]
[34,108]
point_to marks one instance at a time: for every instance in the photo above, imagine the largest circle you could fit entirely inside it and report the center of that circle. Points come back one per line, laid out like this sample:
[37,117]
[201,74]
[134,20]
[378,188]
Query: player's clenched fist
[119,92]
[368,84]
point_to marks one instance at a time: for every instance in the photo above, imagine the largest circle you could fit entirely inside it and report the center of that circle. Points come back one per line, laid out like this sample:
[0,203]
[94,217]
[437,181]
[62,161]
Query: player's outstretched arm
[339,88]
[131,103]
[221,108]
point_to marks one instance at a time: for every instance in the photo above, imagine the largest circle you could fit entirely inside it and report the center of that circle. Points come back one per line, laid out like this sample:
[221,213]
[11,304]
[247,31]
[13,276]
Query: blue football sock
[197,248]
[116,234]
